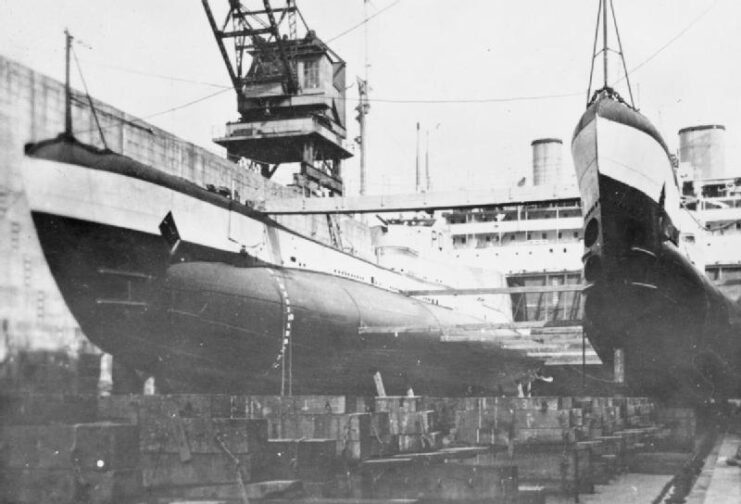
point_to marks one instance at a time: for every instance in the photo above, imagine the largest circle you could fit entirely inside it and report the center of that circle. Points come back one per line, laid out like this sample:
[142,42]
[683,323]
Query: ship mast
[417,173]
[67,87]
[363,105]
[604,44]
[606,88]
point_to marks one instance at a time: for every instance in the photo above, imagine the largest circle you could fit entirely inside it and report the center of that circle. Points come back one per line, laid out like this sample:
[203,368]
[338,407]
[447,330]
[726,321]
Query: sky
[483,77]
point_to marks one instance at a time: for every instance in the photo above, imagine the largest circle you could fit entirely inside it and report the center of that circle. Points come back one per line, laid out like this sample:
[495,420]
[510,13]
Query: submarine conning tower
[291,97]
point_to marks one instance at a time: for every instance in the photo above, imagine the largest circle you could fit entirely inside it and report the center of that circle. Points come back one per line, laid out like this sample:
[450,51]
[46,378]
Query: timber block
[397,404]
[542,419]
[309,459]
[316,459]
[576,417]
[545,435]
[198,435]
[230,492]
[41,409]
[147,408]
[531,494]
[168,469]
[441,482]
[543,403]
[565,403]
[416,422]
[380,424]
[273,406]
[183,405]
[361,449]
[411,443]
[559,468]
[359,426]
[493,436]
[384,464]
[445,409]
[98,446]
[67,486]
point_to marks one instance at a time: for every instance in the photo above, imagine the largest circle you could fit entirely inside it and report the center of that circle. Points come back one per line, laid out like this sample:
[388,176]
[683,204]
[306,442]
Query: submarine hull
[645,297]
[152,286]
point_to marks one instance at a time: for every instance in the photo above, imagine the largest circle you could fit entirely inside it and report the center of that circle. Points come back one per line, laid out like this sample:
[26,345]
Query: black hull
[215,321]
[673,325]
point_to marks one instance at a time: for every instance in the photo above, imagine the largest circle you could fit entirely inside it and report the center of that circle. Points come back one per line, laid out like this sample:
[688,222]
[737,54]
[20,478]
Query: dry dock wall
[33,315]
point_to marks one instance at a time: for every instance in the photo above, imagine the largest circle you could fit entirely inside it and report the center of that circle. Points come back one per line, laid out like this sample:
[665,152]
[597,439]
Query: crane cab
[290,99]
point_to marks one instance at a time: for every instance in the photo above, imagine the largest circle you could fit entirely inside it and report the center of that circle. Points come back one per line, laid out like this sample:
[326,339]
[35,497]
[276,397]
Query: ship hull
[646,298]
[181,303]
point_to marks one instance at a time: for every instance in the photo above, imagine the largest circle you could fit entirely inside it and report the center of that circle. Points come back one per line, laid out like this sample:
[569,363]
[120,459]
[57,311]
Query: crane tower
[290,94]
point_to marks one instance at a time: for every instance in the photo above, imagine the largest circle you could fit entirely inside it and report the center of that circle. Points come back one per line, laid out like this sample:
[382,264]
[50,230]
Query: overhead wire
[167,111]
[475,100]
[364,21]
[548,96]
[430,101]
[670,41]
[188,104]
[156,75]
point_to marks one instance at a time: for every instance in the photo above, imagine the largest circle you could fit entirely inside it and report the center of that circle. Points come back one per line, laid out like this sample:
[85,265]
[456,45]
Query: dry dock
[77,447]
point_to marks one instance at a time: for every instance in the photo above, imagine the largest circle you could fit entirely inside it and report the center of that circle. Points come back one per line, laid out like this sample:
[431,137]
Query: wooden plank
[531,289]
[463,329]
[421,201]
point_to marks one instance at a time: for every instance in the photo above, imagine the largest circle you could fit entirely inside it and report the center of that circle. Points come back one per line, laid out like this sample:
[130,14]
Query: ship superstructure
[420,247]
[535,243]
[539,242]
[711,190]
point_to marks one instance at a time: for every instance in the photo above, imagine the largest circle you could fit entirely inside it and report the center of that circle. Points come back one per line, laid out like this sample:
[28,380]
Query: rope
[622,56]
[594,50]
[89,99]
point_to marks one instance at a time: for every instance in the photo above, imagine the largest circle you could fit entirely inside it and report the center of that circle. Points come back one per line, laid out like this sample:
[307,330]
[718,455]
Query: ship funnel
[547,165]
[704,149]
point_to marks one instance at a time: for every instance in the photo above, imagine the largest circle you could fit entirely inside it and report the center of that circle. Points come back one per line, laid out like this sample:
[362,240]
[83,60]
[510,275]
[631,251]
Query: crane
[290,94]
[256,33]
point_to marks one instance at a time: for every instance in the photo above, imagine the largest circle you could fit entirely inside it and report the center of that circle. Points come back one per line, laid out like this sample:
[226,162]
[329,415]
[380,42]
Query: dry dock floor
[629,488]
[719,483]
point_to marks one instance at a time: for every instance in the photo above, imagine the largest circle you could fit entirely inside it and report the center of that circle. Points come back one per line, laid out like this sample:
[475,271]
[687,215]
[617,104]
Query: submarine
[650,311]
[196,288]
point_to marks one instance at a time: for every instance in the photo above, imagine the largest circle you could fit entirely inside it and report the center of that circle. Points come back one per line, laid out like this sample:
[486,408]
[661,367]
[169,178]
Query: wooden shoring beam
[529,289]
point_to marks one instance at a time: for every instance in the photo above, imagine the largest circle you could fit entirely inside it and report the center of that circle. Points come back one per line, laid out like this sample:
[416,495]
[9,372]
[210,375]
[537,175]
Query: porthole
[591,232]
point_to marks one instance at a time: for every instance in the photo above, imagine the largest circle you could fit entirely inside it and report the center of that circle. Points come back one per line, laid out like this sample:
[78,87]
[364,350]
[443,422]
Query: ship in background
[539,242]
[192,285]
[536,243]
[650,309]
